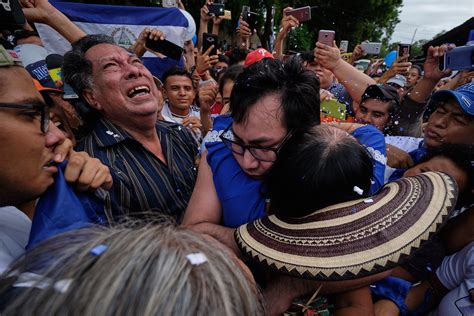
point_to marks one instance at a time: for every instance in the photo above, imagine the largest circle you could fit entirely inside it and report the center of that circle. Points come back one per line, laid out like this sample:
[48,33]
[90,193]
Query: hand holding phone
[216,9]
[164,47]
[302,14]
[249,17]
[326,37]
[403,50]
[458,58]
[207,41]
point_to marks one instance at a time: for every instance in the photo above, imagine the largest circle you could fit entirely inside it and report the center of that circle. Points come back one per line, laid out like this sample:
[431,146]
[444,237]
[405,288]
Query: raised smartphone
[458,58]
[207,41]
[403,49]
[165,47]
[249,17]
[371,48]
[326,37]
[216,8]
[302,14]
[344,46]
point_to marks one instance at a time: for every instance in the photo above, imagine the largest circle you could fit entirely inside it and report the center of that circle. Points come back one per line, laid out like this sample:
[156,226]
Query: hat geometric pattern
[357,238]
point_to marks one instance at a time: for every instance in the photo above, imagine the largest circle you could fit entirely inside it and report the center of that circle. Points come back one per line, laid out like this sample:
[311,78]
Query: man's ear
[88,95]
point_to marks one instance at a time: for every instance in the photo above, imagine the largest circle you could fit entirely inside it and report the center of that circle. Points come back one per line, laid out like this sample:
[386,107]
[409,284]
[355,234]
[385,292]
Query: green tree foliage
[354,20]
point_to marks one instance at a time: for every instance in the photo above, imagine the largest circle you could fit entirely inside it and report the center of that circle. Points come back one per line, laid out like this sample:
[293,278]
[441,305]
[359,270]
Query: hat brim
[374,91]
[357,238]
[443,95]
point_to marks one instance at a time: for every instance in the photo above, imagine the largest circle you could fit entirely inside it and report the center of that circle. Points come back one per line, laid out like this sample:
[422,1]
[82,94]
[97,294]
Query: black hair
[175,71]
[461,154]
[307,56]
[77,69]
[237,55]
[316,169]
[297,88]
[230,74]
[77,72]
[22,33]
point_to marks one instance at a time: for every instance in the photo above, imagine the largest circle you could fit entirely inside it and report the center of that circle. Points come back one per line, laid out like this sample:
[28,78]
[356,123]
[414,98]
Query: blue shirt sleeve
[374,141]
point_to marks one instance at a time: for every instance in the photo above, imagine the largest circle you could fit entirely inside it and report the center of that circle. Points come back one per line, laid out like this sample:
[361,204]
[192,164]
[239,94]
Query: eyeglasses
[41,108]
[265,154]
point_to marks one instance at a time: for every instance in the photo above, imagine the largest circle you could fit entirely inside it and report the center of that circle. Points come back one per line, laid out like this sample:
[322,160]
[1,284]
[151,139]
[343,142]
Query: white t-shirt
[404,143]
[456,273]
[15,229]
[170,117]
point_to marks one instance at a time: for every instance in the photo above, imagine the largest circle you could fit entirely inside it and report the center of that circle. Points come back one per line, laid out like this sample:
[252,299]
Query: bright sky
[430,17]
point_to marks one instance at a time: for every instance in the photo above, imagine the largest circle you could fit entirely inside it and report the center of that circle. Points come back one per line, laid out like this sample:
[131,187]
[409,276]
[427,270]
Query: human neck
[28,208]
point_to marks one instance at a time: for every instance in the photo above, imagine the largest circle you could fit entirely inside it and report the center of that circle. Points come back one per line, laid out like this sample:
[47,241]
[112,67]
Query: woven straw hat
[357,238]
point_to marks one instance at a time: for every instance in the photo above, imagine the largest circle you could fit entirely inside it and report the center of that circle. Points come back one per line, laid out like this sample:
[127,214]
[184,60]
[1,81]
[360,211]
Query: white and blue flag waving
[123,23]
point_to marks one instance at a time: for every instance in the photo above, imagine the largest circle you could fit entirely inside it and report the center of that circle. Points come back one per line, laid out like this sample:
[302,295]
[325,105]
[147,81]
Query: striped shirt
[142,182]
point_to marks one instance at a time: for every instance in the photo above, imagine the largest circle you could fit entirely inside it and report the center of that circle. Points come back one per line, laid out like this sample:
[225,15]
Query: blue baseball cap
[464,96]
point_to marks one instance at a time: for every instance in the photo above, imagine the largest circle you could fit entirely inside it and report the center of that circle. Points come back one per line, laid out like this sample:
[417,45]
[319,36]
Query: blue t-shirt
[374,141]
[242,197]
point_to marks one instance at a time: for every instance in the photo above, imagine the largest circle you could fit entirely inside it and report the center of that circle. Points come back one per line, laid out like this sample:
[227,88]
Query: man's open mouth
[138,91]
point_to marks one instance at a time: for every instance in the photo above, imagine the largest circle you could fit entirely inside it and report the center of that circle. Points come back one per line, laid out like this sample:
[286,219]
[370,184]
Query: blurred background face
[374,112]
[26,152]
[325,76]
[412,77]
[180,93]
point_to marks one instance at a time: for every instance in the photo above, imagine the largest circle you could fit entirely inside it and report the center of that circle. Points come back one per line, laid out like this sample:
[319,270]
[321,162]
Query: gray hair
[145,270]
[77,69]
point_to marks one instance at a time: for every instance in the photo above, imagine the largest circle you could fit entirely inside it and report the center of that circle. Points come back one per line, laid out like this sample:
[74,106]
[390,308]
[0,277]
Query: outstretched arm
[41,11]
[352,79]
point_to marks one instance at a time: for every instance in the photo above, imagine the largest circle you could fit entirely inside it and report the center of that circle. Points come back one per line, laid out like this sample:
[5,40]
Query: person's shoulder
[166,125]
[221,122]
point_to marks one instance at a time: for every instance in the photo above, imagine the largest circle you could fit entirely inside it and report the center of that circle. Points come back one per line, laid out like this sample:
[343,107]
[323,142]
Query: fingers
[62,150]
[87,173]
[206,53]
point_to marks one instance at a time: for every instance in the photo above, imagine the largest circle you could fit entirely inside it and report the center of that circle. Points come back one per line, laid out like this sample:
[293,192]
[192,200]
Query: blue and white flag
[123,23]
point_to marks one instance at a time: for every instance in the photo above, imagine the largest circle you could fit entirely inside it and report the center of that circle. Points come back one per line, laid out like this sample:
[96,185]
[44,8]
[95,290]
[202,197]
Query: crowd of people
[231,184]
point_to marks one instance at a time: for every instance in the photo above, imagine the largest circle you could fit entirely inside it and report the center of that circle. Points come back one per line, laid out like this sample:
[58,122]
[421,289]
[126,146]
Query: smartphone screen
[344,46]
[326,37]
[207,41]
[335,109]
[302,14]
[403,50]
[165,47]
